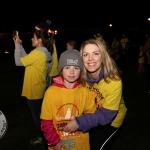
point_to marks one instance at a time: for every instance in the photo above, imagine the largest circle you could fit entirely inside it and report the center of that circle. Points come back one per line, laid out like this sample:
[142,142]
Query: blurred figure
[99,37]
[116,50]
[71,45]
[124,47]
[146,52]
[124,44]
[115,45]
[141,61]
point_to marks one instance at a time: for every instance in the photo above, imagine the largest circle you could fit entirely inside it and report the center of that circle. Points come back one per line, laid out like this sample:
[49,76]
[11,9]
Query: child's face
[70,74]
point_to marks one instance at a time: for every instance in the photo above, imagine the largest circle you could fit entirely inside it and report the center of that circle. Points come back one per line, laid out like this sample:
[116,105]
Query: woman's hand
[17,40]
[59,146]
[71,127]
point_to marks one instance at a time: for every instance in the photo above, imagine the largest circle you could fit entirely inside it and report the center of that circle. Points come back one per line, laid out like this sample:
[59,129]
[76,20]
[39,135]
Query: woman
[37,65]
[104,82]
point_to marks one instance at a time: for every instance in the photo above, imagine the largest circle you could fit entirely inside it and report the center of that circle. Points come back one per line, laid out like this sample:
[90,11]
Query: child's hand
[71,127]
[59,146]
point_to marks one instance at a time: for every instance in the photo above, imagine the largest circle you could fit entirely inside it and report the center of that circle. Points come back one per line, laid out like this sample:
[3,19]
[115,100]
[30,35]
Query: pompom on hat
[70,58]
[45,25]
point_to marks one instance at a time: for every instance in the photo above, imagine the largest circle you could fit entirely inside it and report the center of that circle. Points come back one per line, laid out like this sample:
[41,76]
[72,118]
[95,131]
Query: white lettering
[72,62]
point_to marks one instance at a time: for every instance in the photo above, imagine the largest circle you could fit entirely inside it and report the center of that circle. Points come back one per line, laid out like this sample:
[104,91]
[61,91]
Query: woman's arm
[102,115]
[19,51]
[86,122]
[23,52]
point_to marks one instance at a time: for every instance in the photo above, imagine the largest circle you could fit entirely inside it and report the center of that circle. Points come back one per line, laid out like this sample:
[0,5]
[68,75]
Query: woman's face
[92,58]
[35,41]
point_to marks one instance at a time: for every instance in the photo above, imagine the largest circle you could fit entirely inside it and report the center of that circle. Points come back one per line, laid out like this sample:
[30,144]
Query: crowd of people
[117,49]
[76,99]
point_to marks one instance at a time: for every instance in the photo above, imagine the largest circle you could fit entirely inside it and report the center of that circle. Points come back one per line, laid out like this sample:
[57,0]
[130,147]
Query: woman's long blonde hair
[111,70]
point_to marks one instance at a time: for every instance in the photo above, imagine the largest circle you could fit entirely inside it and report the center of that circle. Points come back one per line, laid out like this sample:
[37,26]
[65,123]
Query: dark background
[78,21]
[23,15]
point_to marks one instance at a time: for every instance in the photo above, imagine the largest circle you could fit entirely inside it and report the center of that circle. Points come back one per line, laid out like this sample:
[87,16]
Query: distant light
[52,31]
[148,19]
[110,25]
[55,31]
[49,31]
[6,52]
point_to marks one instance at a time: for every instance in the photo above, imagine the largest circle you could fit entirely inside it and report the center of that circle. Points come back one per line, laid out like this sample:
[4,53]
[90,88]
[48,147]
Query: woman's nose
[90,57]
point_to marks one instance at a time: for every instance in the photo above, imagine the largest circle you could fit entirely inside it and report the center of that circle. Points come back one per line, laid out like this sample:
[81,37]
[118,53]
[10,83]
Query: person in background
[141,61]
[124,49]
[104,81]
[65,99]
[37,65]
[146,52]
[124,44]
[99,37]
[71,44]
[116,50]
[115,45]
[54,69]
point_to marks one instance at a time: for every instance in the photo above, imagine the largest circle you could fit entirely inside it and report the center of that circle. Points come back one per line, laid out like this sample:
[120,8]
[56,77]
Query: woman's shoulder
[109,83]
[113,85]
[37,52]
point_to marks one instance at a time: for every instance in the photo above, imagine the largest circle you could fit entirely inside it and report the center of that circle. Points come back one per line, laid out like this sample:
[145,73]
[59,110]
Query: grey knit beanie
[70,58]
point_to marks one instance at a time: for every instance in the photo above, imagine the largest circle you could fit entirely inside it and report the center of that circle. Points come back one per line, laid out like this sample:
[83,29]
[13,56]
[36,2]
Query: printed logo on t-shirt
[97,95]
[66,113]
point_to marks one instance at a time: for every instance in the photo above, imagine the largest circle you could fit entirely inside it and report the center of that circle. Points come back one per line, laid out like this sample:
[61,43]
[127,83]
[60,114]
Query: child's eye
[67,67]
[76,68]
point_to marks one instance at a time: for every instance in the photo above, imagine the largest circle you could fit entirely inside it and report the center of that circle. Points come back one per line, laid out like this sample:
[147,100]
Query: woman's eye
[96,53]
[84,55]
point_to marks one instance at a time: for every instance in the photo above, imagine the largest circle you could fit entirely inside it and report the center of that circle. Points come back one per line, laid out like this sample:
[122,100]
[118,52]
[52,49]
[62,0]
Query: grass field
[134,134]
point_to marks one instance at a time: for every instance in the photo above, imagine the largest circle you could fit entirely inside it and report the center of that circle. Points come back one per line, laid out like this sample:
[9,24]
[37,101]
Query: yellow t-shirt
[62,105]
[124,42]
[36,67]
[54,70]
[109,96]
[142,58]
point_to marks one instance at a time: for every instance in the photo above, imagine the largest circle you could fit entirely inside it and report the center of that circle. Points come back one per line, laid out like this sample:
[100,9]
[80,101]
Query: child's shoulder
[83,88]
[51,88]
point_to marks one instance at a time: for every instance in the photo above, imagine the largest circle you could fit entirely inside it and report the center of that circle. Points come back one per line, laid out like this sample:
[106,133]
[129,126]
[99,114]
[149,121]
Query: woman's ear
[40,42]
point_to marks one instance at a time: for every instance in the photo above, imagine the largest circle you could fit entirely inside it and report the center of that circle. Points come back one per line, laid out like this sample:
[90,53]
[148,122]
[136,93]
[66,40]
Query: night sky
[74,15]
